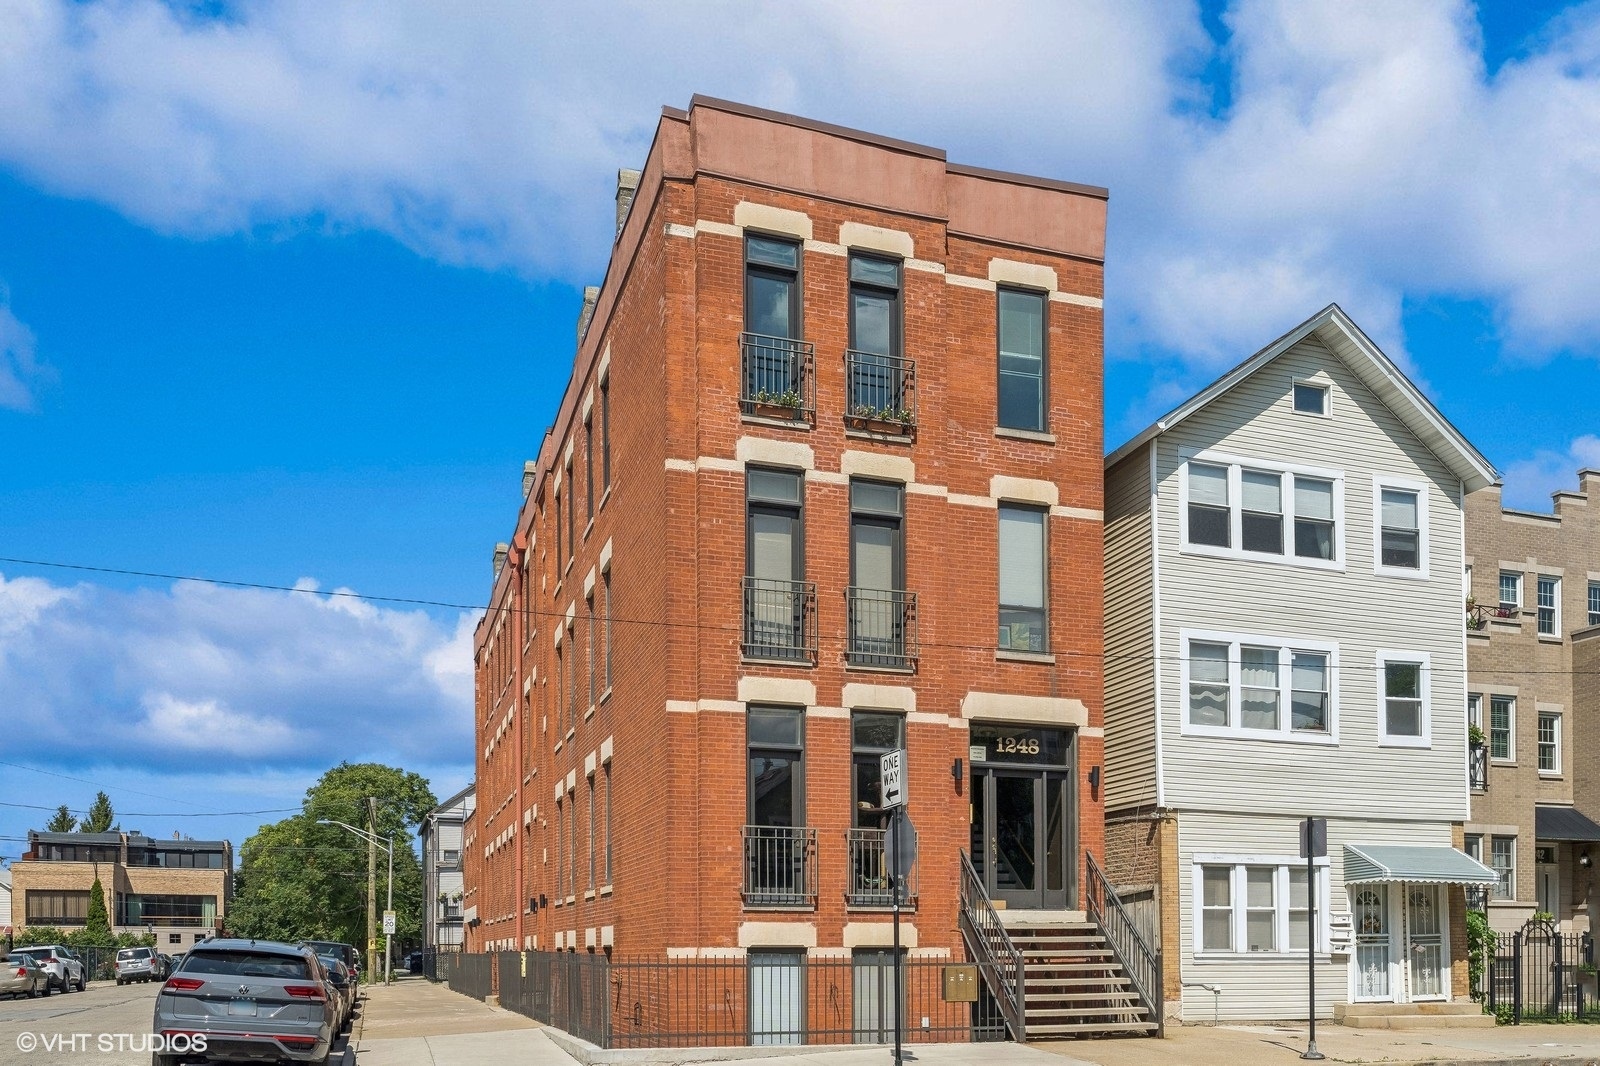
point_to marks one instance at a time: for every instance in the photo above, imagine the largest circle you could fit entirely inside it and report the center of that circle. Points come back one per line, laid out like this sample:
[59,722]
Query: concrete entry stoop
[1075,987]
[1412,1016]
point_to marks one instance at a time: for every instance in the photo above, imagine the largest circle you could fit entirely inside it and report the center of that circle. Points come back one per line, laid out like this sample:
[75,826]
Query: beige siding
[1263,987]
[1357,609]
[1130,636]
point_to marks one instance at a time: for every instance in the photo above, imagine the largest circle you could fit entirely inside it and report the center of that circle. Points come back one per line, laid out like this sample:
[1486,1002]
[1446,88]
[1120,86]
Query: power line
[560,616]
[96,784]
[166,814]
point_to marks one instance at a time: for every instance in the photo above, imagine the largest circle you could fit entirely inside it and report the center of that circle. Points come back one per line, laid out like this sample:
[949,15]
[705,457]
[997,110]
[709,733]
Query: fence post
[1516,977]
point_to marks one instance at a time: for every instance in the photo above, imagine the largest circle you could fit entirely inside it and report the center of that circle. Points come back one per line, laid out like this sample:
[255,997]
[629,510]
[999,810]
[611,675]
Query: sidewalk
[414,1022]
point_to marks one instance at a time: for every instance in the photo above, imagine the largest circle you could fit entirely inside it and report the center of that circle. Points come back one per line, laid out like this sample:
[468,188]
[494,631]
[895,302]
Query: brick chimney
[500,551]
[627,187]
[591,296]
[528,470]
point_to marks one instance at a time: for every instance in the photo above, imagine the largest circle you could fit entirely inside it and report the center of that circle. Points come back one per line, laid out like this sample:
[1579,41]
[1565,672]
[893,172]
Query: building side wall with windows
[1519,674]
[665,334]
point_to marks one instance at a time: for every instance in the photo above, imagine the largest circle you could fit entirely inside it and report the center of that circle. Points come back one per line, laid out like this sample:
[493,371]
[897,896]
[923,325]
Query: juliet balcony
[777,380]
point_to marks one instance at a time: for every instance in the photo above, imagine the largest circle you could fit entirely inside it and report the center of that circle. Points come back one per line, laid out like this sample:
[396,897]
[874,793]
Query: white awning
[1418,865]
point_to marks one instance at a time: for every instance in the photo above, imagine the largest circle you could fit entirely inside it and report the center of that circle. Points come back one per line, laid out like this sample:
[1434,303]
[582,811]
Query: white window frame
[1500,600]
[1555,606]
[1235,466]
[1385,738]
[1511,729]
[1593,616]
[1286,646]
[1237,889]
[1538,740]
[1400,484]
[1475,714]
[1494,890]
[1327,398]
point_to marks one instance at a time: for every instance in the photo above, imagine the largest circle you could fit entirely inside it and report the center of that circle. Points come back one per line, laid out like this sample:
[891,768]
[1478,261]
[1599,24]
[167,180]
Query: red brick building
[826,481]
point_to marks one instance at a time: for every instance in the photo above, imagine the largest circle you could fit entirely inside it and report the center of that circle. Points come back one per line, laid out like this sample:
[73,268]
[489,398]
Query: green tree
[299,879]
[97,927]
[101,817]
[61,822]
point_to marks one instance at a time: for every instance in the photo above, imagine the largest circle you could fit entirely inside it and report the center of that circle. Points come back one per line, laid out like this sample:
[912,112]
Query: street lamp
[389,849]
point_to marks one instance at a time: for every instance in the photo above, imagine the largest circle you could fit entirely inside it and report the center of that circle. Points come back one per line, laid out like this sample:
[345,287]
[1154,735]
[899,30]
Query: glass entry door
[1374,980]
[1425,954]
[1020,836]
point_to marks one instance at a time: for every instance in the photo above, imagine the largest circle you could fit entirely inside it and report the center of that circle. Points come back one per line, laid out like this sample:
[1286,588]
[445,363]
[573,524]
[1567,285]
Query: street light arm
[362,833]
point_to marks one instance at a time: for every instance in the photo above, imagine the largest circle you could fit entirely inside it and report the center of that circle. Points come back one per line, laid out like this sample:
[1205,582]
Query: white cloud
[284,680]
[21,372]
[1366,156]
[1528,483]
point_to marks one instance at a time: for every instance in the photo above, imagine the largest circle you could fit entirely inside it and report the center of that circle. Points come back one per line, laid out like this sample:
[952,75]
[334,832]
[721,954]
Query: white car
[65,968]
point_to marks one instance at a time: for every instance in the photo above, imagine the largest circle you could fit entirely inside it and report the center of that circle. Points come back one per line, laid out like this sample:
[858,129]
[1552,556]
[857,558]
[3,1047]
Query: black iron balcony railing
[780,866]
[1478,767]
[869,871]
[776,379]
[880,392]
[883,627]
[780,619]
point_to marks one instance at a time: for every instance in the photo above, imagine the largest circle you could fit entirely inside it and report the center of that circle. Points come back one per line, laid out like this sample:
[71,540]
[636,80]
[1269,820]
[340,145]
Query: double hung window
[1400,539]
[1259,512]
[1549,606]
[1549,743]
[1404,713]
[1023,613]
[1022,382]
[775,590]
[1510,589]
[879,607]
[1503,861]
[588,466]
[1594,603]
[875,366]
[1258,688]
[1502,717]
[1255,907]
[774,360]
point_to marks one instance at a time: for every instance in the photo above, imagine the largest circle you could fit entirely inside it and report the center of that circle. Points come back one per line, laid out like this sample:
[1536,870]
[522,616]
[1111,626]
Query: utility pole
[372,880]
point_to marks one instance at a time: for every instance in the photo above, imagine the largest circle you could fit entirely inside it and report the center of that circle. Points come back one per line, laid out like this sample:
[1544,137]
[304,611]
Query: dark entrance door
[1024,826]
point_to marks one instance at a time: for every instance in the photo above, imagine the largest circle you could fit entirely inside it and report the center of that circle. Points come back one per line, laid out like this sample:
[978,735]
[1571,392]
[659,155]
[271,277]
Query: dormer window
[1310,398]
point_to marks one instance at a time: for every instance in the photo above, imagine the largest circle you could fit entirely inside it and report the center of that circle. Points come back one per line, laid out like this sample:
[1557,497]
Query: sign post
[1313,846]
[902,853]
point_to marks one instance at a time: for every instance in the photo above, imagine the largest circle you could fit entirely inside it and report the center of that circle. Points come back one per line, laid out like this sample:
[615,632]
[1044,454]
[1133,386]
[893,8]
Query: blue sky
[287,295]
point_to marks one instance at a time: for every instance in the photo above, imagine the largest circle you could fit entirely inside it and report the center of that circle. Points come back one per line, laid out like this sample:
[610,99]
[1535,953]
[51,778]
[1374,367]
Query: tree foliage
[61,822]
[98,924]
[299,879]
[101,817]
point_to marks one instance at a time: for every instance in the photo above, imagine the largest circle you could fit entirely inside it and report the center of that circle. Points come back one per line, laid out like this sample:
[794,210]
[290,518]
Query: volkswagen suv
[251,1000]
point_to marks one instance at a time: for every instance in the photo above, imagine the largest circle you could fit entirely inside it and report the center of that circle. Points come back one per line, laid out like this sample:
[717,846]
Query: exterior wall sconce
[955,772]
[1094,781]
[1584,860]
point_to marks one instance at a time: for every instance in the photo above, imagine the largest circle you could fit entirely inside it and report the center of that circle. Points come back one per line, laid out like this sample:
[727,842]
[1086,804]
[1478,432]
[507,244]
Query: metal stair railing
[997,957]
[1140,961]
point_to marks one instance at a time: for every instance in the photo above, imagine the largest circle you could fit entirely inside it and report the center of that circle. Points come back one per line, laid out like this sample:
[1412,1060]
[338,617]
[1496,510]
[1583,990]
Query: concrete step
[1091,1029]
[1420,1021]
[1342,1011]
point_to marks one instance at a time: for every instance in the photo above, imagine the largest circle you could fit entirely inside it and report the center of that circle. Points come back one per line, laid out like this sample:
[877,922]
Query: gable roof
[1377,371]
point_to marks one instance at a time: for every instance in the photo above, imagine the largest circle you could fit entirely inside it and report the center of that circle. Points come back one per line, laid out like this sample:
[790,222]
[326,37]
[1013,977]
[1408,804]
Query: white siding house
[1284,559]
[441,864]
[5,899]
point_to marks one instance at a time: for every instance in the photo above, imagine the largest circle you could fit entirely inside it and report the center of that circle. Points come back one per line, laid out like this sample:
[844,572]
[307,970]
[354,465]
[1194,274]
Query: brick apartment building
[177,889]
[826,481]
[1533,646]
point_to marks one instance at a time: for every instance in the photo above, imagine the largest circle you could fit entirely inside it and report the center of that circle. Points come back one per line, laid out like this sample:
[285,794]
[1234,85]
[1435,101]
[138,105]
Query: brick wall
[665,331]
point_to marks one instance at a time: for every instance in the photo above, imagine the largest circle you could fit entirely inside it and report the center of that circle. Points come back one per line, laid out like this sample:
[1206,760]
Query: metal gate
[1540,974]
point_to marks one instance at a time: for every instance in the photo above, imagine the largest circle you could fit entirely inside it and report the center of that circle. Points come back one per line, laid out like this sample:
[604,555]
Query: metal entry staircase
[1068,978]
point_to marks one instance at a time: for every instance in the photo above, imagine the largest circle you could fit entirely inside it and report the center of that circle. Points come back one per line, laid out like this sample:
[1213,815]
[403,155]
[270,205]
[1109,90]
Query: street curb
[592,1055]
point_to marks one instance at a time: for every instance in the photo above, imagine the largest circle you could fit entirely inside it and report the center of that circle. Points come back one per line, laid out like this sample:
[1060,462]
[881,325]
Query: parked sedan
[251,1000]
[343,986]
[21,975]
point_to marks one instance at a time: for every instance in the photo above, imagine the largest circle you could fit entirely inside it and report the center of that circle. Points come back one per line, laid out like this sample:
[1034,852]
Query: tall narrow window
[1258,688]
[572,679]
[1594,603]
[1216,908]
[1503,860]
[560,542]
[1208,505]
[1209,694]
[605,432]
[879,606]
[1502,711]
[572,881]
[875,366]
[775,592]
[1261,504]
[1402,703]
[1022,360]
[561,681]
[1023,617]
[561,870]
[774,841]
[1549,606]
[1309,681]
[588,466]
[773,361]
[1313,518]
[589,655]
[607,768]
[593,854]
[1400,537]
[1475,709]
[1549,743]
[1260,908]
[605,589]
[572,511]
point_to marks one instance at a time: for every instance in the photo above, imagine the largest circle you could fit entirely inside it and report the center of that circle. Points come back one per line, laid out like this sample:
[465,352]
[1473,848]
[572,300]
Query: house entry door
[1024,831]
[1425,954]
[1374,979]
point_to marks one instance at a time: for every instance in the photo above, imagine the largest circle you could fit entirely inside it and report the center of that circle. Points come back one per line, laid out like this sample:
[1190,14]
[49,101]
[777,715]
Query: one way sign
[891,766]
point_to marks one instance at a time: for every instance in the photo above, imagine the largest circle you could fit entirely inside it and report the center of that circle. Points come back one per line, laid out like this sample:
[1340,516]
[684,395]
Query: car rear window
[247,964]
[134,953]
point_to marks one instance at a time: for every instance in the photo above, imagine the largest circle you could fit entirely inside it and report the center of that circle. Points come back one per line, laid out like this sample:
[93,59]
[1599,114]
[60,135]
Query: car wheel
[83,983]
[158,1059]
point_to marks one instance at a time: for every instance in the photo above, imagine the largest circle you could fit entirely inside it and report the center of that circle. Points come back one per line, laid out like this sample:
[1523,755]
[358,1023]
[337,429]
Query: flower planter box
[780,411]
[878,425]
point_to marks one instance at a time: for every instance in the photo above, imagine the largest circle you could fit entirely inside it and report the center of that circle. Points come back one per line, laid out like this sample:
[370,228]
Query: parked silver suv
[137,964]
[65,968]
[251,1000]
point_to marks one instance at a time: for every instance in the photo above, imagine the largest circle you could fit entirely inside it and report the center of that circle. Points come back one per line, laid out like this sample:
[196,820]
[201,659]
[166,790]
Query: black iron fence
[761,998]
[776,377]
[868,870]
[1540,974]
[780,866]
[780,619]
[883,627]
